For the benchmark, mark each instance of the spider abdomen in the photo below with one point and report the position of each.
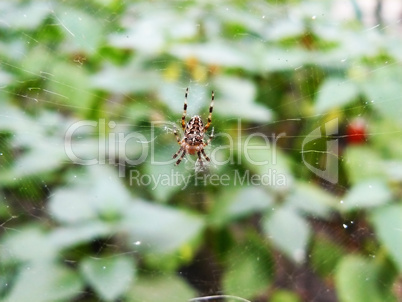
(191, 149)
(194, 135)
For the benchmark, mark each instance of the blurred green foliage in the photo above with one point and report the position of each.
(113, 231)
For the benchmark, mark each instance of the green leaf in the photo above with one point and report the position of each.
(68, 87)
(45, 282)
(366, 194)
(382, 89)
(71, 205)
(83, 33)
(289, 232)
(236, 98)
(362, 162)
(284, 28)
(335, 93)
(386, 145)
(154, 28)
(215, 53)
(98, 193)
(284, 296)
(5, 78)
(250, 200)
(160, 229)
(37, 63)
(109, 277)
(241, 280)
(36, 158)
(72, 235)
(248, 271)
(16, 121)
(164, 180)
(28, 244)
(164, 288)
(280, 59)
(393, 169)
(119, 80)
(262, 157)
(387, 222)
(44, 157)
(235, 204)
(325, 256)
(25, 16)
(311, 200)
(358, 280)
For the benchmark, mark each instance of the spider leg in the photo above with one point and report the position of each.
(211, 107)
(211, 137)
(178, 152)
(183, 118)
(206, 157)
(181, 157)
(200, 159)
(177, 136)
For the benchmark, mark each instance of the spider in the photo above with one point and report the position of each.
(193, 140)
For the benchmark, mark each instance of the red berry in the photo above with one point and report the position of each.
(356, 131)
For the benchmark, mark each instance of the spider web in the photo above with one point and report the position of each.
(123, 101)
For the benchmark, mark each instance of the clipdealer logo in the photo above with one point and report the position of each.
(330, 167)
(112, 148)
(175, 178)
